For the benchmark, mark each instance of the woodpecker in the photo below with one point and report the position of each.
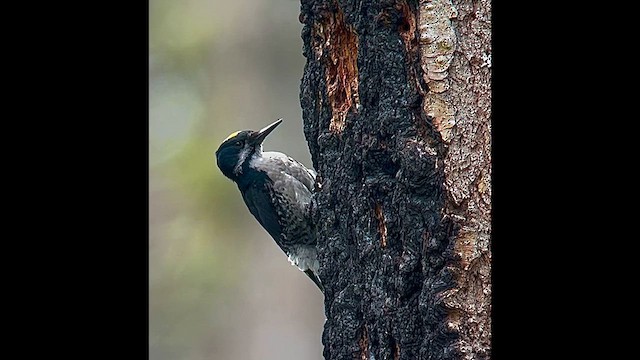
(277, 190)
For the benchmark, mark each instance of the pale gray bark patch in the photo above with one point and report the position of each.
(464, 110)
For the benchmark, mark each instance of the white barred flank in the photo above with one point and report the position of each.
(305, 258)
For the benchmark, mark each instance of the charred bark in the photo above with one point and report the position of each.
(396, 113)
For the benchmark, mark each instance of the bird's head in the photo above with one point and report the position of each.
(239, 147)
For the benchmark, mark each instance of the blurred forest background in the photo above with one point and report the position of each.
(219, 287)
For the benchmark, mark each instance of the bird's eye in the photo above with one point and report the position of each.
(239, 143)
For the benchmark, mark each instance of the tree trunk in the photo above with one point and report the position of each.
(396, 107)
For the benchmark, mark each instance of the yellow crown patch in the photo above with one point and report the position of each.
(231, 135)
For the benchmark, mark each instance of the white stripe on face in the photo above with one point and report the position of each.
(243, 156)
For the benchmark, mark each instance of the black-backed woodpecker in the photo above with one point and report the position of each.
(277, 190)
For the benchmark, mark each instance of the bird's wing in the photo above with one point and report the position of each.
(288, 190)
(259, 203)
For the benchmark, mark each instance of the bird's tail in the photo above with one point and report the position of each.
(315, 279)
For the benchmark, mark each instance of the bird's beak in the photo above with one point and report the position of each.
(262, 134)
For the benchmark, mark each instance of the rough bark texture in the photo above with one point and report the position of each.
(396, 108)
